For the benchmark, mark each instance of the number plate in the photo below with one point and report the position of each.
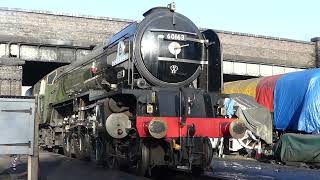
(174, 36)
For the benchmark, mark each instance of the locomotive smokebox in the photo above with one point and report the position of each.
(169, 49)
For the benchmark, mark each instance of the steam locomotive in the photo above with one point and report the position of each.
(147, 98)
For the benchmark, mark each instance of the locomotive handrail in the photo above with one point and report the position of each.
(182, 60)
(166, 30)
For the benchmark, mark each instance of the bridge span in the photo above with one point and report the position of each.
(32, 43)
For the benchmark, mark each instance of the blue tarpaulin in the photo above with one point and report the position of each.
(297, 102)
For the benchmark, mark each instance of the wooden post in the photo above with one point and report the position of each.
(33, 161)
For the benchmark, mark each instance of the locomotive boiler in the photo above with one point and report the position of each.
(146, 98)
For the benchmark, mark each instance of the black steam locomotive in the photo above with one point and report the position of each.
(147, 98)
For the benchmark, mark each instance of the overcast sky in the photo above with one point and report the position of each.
(294, 19)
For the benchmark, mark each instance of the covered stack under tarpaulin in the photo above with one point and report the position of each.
(297, 102)
(247, 87)
(265, 91)
(262, 89)
(256, 117)
(298, 148)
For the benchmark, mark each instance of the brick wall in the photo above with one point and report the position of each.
(267, 50)
(10, 80)
(316, 40)
(40, 25)
(90, 29)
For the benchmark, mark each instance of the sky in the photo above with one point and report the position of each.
(293, 19)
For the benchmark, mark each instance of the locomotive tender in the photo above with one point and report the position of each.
(147, 98)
